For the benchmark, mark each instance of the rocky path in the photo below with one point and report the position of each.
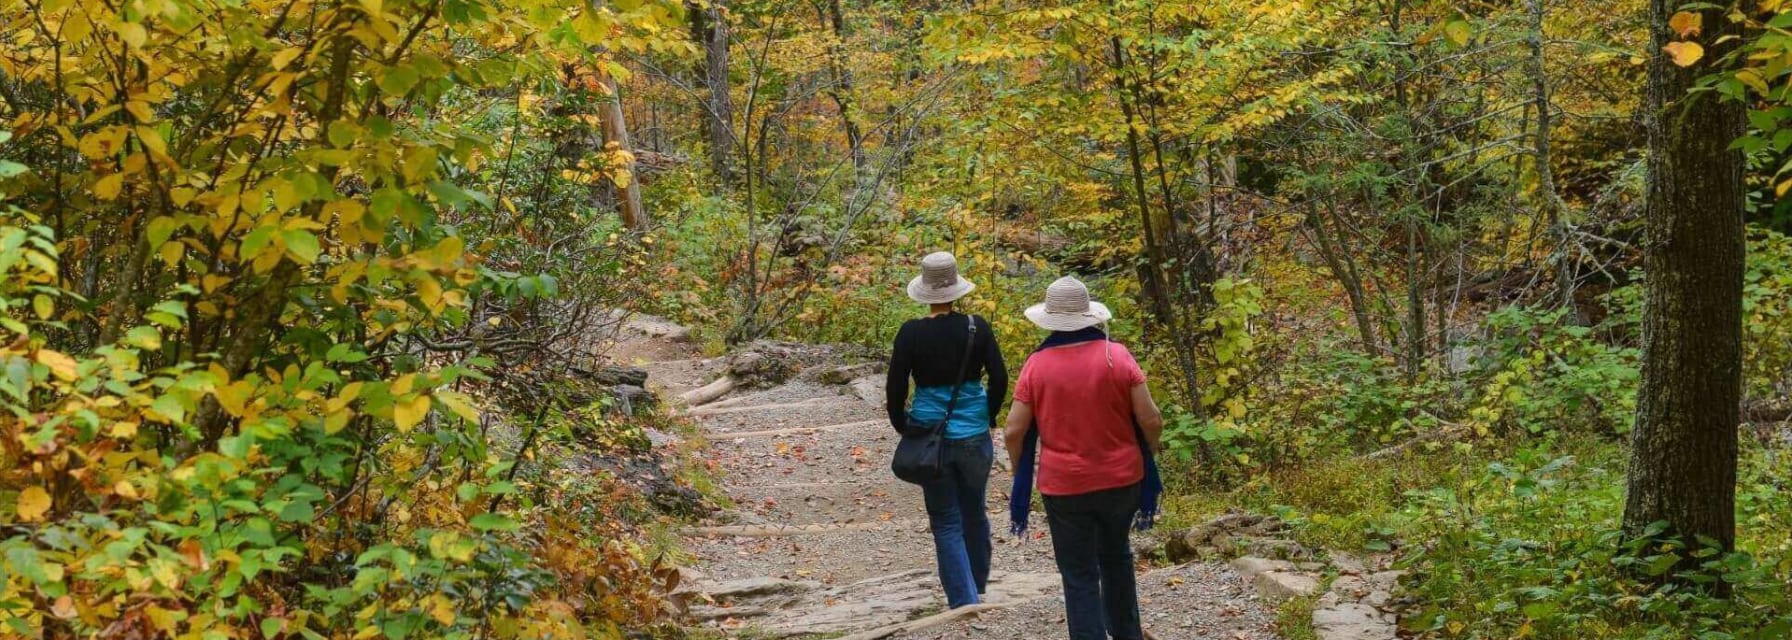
(821, 540)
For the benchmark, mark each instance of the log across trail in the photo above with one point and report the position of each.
(821, 539)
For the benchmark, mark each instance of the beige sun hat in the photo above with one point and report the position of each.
(1067, 307)
(939, 282)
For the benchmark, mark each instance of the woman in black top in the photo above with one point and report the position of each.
(930, 351)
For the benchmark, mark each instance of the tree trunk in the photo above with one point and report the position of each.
(1683, 458)
(1152, 276)
(615, 128)
(841, 92)
(1347, 276)
(1554, 209)
(1415, 301)
(709, 28)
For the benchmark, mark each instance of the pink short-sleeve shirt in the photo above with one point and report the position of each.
(1083, 410)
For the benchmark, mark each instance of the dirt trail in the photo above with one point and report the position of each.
(821, 539)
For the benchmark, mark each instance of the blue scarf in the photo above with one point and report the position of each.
(1020, 500)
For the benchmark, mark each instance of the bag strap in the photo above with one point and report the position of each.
(964, 367)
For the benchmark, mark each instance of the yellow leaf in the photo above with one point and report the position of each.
(124, 430)
(410, 412)
(171, 253)
(285, 57)
(60, 365)
(1780, 189)
(140, 110)
(1684, 54)
(335, 421)
(403, 384)
(34, 502)
(164, 572)
(430, 292)
(442, 610)
(107, 188)
(131, 33)
(1686, 24)
(234, 396)
(162, 619)
(124, 488)
(459, 403)
(1752, 78)
(152, 140)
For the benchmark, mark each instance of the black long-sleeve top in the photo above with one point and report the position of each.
(930, 351)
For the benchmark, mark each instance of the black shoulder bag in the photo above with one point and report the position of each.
(917, 458)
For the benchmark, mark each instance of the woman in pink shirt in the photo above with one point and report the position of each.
(1082, 406)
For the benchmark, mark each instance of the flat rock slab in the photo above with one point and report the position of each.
(1353, 622)
(889, 600)
(1252, 565)
(1282, 586)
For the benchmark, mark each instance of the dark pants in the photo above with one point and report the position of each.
(960, 519)
(1094, 553)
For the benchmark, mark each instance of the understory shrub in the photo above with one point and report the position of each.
(1531, 547)
(1538, 372)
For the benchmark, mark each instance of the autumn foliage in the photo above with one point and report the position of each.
(230, 229)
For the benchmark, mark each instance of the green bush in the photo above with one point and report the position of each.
(1539, 373)
(1531, 547)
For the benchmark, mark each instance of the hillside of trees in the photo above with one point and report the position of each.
(299, 296)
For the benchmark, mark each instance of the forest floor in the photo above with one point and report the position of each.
(817, 539)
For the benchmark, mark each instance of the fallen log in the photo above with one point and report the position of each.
(709, 392)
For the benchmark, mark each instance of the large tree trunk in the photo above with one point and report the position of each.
(709, 27)
(1683, 460)
(628, 192)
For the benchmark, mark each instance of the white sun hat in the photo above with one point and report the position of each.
(1067, 307)
(939, 282)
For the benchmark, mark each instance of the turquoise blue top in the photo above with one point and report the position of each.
(970, 417)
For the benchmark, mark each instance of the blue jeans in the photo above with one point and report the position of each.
(960, 519)
(1094, 553)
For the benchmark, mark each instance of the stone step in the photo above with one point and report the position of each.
(793, 431)
(787, 415)
(777, 607)
(843, 554)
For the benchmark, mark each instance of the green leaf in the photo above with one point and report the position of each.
(344, 133)
(160, 229)
(144, 337)
(398, 80)
(296, 511)
(169, 408)
(301, 245)
(254, 242)
(492, 522)
(1458, 32)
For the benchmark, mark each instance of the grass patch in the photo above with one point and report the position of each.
(1294, 619)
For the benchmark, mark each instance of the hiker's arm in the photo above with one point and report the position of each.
(896, 384)
(998, 375)
(1020, 418)
(1151, 421)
